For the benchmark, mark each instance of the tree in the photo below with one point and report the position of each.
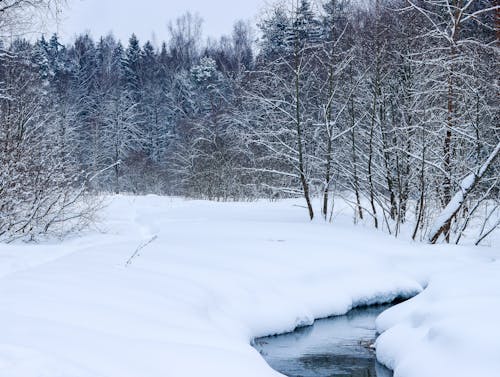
(461, 38)
(43, 191)
(334, 58)
(184, 44)
(121, 132)
(20, 16)
(287, 89)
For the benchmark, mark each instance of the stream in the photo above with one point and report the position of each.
(336, 346)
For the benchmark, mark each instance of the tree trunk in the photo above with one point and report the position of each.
(303, 179)
(443, 221)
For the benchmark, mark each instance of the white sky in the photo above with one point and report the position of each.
(148, 18)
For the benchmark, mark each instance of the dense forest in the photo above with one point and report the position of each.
(391, 105)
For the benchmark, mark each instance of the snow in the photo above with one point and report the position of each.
(451, 329)
(210, 277)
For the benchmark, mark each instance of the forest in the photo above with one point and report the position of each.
(390, 105)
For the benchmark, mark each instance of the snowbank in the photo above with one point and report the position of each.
(216, 276)
(451, 329)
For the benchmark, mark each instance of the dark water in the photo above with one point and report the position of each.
(336, 346)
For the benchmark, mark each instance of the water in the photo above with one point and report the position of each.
(337, 346)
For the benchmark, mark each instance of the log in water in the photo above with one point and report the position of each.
(339, 346)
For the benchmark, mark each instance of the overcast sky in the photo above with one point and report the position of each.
(149, 18)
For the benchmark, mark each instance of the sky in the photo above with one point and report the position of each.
(148, 19)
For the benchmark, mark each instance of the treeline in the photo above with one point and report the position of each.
(392, 105)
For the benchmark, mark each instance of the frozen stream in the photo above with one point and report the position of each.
(336, 346)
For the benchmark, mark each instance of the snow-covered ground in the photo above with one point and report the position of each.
(219, 274)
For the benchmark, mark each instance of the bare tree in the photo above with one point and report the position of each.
(22, 16)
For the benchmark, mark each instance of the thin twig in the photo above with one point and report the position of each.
(139, 248)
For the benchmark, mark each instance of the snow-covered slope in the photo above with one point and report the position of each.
(218, 275)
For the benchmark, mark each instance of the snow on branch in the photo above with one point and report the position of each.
(442, 222)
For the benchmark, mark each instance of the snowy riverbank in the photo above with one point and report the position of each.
(219, 274)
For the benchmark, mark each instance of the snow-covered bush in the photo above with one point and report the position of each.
(42, 190)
